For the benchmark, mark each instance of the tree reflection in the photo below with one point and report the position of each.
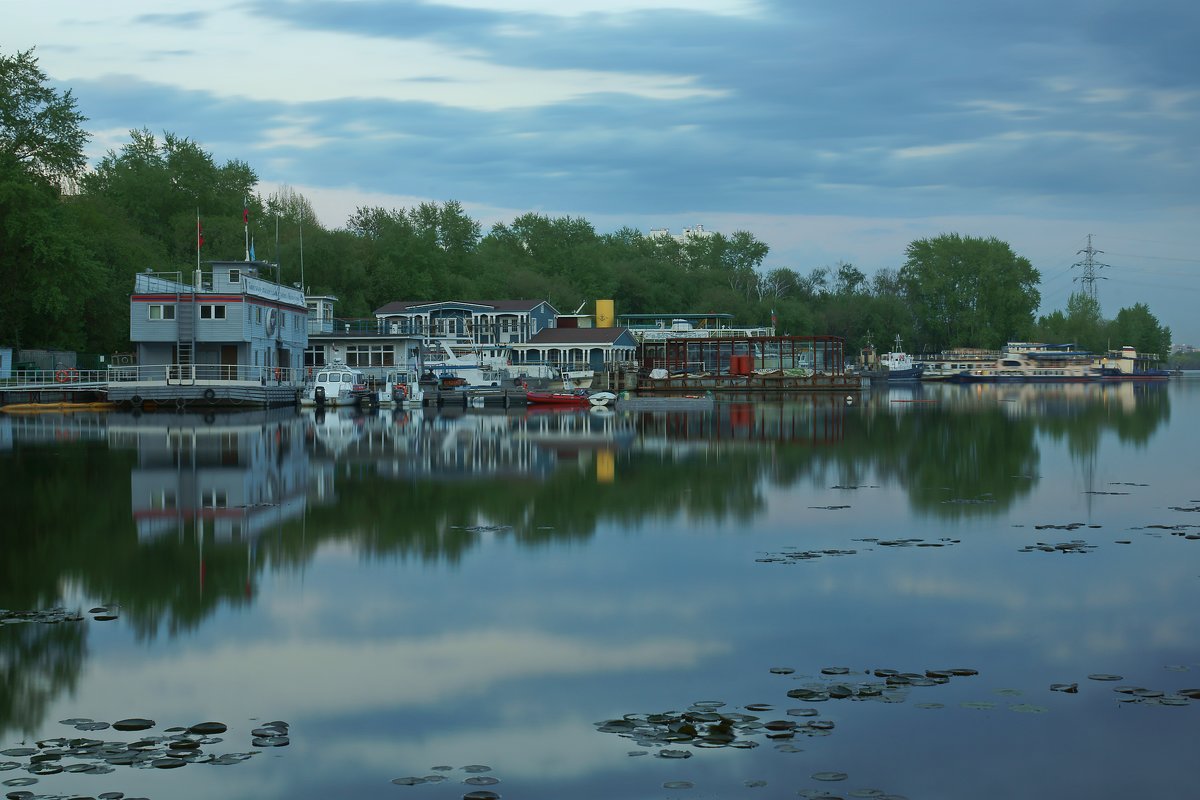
(170, 517)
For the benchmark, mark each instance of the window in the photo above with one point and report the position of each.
(213, 498)
(212, 312)
(370, 355)
(161, 311)
(314, 356)
(235, 276)
(258, 314)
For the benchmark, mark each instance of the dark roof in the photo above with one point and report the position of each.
(408, 306)
(711, 315)
(576, 335)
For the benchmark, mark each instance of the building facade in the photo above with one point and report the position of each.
(228, 324)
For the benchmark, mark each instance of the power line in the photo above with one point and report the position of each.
(1159, 258)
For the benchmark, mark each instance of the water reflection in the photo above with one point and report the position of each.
(171, 517)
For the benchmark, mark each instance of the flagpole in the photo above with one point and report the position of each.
(199, 238)
(246, 224)
(302, 249)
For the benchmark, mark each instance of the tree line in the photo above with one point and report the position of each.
(73, 236)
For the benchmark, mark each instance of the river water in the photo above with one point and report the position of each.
(798, 595)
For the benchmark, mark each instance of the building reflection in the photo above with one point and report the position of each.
(228, 477)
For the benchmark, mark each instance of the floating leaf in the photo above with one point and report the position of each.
(674, 754)
(411, 780)
(829, 776)
(1100, 676)
(133, 724)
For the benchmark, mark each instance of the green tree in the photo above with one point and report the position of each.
(45, 267)
(965, 291)
(40, 129)
(1136, 326)
(161, 186)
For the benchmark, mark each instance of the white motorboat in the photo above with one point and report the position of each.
(337, 385)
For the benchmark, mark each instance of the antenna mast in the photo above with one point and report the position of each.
(1090, 265)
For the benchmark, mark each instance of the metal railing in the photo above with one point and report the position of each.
(176, 374)
(66, 378)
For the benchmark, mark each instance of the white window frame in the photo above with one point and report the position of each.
(209, 311)
(166, 312)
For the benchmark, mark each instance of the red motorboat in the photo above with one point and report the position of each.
(576, 398)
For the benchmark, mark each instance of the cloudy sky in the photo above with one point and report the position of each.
(831, 130)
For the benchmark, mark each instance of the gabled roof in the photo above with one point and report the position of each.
(575, 336)
(417, 306)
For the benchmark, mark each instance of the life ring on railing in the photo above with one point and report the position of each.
(310, 372)
(68, 375)
(209, 394)
(400, 391)
(278, 374)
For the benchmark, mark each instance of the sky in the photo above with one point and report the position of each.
(833, 131)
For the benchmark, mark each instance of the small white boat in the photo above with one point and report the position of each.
(401, 390)
(337, 385)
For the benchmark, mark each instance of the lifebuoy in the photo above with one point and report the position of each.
(209, 394)
(278, 372)
(400, 391)
(310, 372)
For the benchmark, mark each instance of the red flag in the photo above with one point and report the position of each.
(199, 235)
(245, 213)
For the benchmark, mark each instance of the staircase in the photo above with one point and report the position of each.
(185, 338)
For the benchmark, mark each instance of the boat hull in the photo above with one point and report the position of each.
(1022, 378)
(557, 399)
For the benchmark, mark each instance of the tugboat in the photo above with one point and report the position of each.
(894, 367)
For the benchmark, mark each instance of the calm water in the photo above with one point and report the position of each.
(411, 592)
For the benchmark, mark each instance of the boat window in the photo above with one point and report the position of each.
(322, 376)
(346, 378)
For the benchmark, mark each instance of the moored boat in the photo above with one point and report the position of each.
(337, 385)
(578, 397)
(948, 363)
(893, 367)
(1023, 363)
(1127, 364)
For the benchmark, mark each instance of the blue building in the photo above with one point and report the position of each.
(230, 336)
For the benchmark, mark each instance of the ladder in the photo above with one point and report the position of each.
(185, 337)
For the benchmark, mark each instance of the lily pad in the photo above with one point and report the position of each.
(829, 776)
(133, 724)
(674, 754)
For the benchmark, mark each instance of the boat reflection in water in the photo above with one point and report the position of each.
(228, 476)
